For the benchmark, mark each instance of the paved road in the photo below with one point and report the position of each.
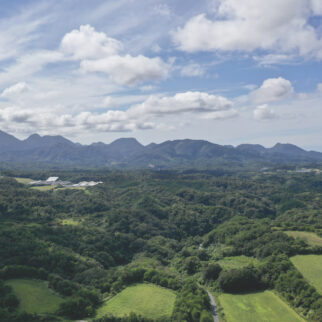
(213, 307)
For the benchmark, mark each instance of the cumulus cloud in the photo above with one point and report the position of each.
(192, 70)
(15, 89)
(128, 70)
(87, 43)
(182, 103)
(143, 116)
(100, 53)
(263, 112)
(249, 25)
(272, 89)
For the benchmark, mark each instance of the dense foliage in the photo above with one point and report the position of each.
(168, 228)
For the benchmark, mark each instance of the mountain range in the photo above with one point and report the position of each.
(129, 153)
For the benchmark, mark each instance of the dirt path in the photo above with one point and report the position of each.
(213, 307)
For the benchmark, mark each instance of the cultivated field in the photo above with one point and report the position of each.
(35, 296)
(257, 307)
(311, 238)
(311, 268)
(146, 299)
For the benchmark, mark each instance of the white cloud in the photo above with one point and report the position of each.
(317, 7)
(182, 103)
(319, 87)
(147, 88)
(87, 43)
(221, 115)
(128, 70)
(249, 25)
(274, 59)
(162, 10)
(193, 70)
(272, 89)
(250, 87)
(15, 89)
(100, 53)
(29, 64)
(263, 112)
(141, 116)
(116, 101)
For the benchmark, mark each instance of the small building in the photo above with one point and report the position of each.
(52, 179)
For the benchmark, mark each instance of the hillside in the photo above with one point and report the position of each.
(95, 253)
(49, 151)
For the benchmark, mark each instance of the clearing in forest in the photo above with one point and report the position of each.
(147, 300)
(311, 238)
(35, 296)
(310, 267)
(257, 307)
(237, 262)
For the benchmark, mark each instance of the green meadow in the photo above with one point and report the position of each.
(35, 296)
(311, 268)
(24, 180)
(146, 299)
(311, 238)
(257, 307)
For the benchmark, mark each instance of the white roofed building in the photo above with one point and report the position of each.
(52, 179)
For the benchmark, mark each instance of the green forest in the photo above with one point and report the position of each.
(176, 234)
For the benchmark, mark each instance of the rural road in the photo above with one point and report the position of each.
(213, 307)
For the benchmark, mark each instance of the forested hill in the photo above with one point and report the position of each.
(129, 153)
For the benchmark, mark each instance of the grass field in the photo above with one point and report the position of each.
(24, 180)
(311, 238)
(35, 296)
(311, 268)
(146, 299)
(257, 307)
(43, 188)
(237, 262)
(69, 222)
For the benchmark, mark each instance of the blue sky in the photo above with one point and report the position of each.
(227, 71)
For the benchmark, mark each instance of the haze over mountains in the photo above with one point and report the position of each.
(129, 153)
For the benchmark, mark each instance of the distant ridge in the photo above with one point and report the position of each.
(129, 153)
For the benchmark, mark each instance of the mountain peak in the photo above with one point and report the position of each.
(286, 148)
(125, 141)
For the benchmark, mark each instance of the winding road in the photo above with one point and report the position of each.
(213, 307)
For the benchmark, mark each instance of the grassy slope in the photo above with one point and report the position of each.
(257, 307)
(310, 266)
(311, 238)
(237, 262)
(35, 296)
(146, 299)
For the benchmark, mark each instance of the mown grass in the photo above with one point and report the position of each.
(35, 296)
(237, 262)
(311, 268)
(311, 238)
(146, 299)
(257, 307)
